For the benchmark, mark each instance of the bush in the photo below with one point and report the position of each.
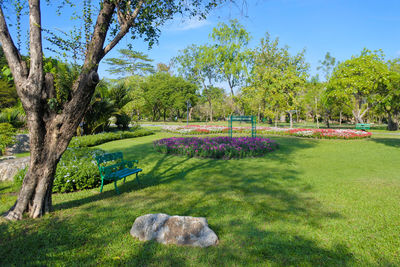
(7, 136)
(97, 139)
(122, 121)
(14, 116)
(77, 170)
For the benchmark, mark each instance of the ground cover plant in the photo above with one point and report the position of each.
(310, 203)
(221, 147)
(261, 130)
(7, 136)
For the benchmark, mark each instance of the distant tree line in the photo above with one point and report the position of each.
(267, 81)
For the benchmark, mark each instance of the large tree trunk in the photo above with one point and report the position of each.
(50, 130)
(50, 135)
(393, 123)
(358, 113)
(291, 119)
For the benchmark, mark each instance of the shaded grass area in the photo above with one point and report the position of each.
(310, 203)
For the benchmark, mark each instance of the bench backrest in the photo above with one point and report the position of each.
(363, 126)
(117, 156)
(109, 163)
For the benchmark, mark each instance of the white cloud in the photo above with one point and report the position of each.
(190, 24)
(398, 53)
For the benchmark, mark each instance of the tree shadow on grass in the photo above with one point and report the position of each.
(243, 204)
(159, 174)
(393, 142)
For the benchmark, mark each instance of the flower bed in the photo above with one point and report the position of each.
(311, 133)
(221, 147)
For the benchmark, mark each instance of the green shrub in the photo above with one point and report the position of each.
(7, 136)
(122, 121)
(19, 177)
(97, 139)
(14, 116)
(77, 170)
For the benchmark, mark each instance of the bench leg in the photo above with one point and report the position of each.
(101, 188)
(116, 187)
(137, 178)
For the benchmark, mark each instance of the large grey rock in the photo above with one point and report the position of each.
(10, 167)
(21, 145)
(179, 230)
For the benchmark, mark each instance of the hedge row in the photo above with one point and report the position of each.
(101, 138)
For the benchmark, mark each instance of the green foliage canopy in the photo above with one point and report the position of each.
(356, 81)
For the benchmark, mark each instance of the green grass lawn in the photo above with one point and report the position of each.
(310, 203)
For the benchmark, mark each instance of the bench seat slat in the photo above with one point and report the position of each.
(123, 173)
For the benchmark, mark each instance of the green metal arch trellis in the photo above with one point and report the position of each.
(243, 118)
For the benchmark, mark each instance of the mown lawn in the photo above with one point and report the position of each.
(310, 203)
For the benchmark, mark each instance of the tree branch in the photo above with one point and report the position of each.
(128, 22)
(95, 48)
(365, 111)
(14, 59)
(85, 84)
(35, 36)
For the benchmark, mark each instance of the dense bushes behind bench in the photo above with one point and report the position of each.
(98, 139)
(77, 170)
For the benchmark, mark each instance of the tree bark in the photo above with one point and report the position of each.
(211, 110)
(190, 113)
(393, 123)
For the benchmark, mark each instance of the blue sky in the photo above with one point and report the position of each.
(342, 27)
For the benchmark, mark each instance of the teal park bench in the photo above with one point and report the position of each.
(363, 126)
(113, 167)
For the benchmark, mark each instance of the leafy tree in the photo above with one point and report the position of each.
(136, 104)
(387, 99)
(313, 97)
(52, 129)
(355, 82)
(230, 53)
(101, 109)
(327, 65)
(197, 64)
(213, 95)
(277, 78)
(130, 63)
(165, 94)
(161, 67)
